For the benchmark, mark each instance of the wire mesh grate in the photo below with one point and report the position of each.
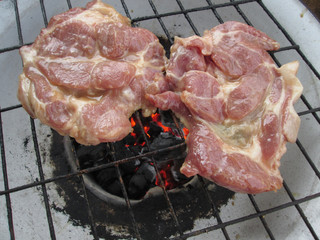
(309, 110)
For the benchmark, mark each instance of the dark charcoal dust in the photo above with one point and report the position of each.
(26, 141)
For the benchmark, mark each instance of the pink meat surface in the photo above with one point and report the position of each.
(88, 71)
(236, 103)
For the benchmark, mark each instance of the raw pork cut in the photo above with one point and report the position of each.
(237, 105)
(88, 71)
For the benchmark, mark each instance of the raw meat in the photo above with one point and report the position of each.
(88, 71)
(237, 105)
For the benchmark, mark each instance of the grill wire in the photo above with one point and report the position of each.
(42, 181)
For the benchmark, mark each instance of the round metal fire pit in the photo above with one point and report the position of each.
(104, 195)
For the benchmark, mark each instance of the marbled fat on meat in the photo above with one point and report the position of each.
(236, 103)
(88, 71)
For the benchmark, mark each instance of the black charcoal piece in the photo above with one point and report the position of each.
(148, 171)
(175, 170)
(138, 186)
(166, 119)
(141, 181)
(130, 167)
(121, 151)
(154, 130)
(115, 188)
(106, 176)
(129, 140)
(136, 149)
(89, 156)
(165, 140)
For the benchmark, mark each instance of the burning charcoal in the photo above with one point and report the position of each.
(155, 129)
(140, 139)
(145, 149)
(165, 140)
(171, 176)
(136, 149)
(129, 167)
(166, 119)
(145, 120)
(121, 151)
(129, 140)
(141, 181)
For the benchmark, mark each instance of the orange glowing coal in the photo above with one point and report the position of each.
(166, 175)
(133, 123)
(156, 117)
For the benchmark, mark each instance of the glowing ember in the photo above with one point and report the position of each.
(156, 118)
(133, 123)
(186, 132)
(166, 175)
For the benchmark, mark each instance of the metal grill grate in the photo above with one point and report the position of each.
(185, 12)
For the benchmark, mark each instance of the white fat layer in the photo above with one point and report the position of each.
(80, 103)
(228, 87)
(217, 36)
(128, 94)
(28, 54)
(238, 138)
(253, 151)
(141, 64)
(91, 17)
(288, 72)
(97, 58)
(25, 83)
(275, 107)
(292, 123)
(101, 12)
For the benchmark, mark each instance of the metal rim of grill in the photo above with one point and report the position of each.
(42, 182)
